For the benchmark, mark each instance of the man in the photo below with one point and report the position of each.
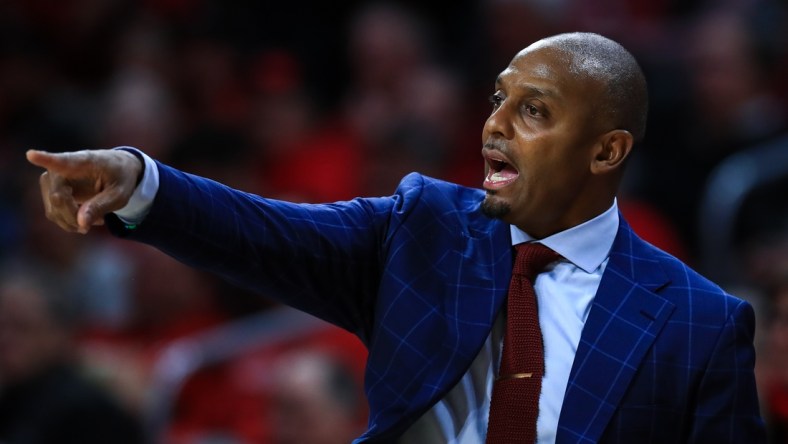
(315, 400)
(43, 396)
(637, 347)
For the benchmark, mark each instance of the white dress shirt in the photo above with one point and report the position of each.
(564, 294)
(142, 199)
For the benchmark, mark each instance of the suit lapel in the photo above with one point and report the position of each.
(471, 303)
(625, 319)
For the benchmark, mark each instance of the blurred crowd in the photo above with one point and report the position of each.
(323, 101)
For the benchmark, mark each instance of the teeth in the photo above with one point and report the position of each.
(497, 177)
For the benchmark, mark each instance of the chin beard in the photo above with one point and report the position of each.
(494, 209)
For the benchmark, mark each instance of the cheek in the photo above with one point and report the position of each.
(553, 158)
(554, 179)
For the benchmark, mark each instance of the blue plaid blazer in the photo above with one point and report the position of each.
(665, 356)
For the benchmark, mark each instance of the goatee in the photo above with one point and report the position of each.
(493, 208)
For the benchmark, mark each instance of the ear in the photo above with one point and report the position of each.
(611, 150)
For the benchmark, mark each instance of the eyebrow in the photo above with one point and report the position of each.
(532, 90)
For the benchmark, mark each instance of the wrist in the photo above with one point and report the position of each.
(139, 165)
(141, 200)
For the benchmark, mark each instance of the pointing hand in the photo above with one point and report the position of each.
(79, 188)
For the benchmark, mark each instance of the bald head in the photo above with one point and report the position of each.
(565, 115)
(624, 101)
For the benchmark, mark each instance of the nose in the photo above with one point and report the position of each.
(499, 124)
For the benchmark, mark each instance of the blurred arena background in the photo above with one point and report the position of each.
(321, 101)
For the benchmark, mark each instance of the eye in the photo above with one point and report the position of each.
(496, 100)
(532, 110)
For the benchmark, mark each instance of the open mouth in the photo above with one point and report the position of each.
(500, 172)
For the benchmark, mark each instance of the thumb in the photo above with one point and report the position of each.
(62, 163)
(92, 211)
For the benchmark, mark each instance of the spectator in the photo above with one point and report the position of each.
(316, 400)
(44, 399)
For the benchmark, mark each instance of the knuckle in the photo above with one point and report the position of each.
(56, 198)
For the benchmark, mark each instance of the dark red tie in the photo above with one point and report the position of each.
(514, 405)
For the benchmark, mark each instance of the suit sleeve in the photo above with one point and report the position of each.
(323, 259)
(726, 409)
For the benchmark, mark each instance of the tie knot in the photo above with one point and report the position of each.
(532, 258)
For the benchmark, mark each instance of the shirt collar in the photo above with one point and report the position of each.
(586, 245)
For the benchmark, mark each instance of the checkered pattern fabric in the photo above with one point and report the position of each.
(420, 276)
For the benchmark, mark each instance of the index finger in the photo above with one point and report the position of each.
(61, 163)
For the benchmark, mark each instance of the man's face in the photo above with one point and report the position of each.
(30, 340)
(537, 143)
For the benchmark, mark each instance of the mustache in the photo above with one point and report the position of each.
(496, 145)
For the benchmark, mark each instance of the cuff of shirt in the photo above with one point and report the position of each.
(141, 201)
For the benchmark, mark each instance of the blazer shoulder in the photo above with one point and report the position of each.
(415, 187)
(686, 286)
(428, 201)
